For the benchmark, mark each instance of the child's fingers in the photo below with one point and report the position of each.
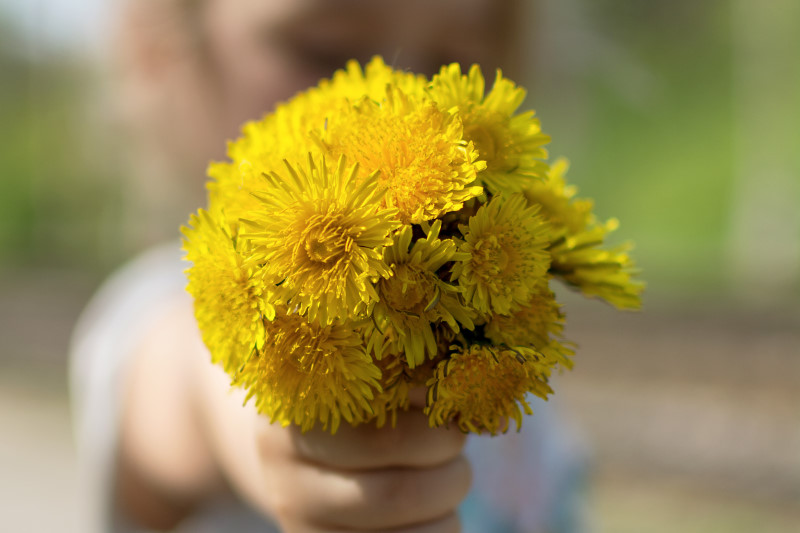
(375, 500)
(447, 524)
(410, 443)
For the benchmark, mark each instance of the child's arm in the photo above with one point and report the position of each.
(185, 435)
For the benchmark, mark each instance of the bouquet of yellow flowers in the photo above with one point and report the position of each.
(383, 231)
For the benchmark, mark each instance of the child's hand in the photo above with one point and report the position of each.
(186, 434)
(408, 478)
(411, 477)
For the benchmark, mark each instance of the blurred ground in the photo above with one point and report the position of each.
(37, 487)
(692, 416)
(37, 460)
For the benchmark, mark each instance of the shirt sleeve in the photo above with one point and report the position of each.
(106, 335)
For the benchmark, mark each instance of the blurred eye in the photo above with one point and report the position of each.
(314, 57)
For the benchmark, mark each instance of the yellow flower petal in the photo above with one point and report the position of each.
(423, 162)
(231, 297)
(322, 235)
(511, 143)
(507, 243)
(414, 300)
(309, 373)
(577, 256)
(482, 388)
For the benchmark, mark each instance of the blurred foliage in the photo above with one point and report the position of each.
(57, 204)
(655, 145)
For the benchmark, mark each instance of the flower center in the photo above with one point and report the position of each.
(406, 290)
(321, 251)
(490, 257)
(326, 245)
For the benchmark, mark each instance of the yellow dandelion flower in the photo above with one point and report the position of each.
(482, 387)
(608, 274)
(279, 134)
(414, 298)
(309, 373)
(328, 291)
(231, 298)
(538, 324)
(557, 201)
(425, 165)
(507, 243)
(230, 190)
(290, 132)
(511, 143)
(353, 82)
(322, 235)
(294, 129)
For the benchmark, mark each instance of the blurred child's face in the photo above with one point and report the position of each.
(263, 51)
(206, 67)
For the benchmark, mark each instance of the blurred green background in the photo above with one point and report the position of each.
(680, 118)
